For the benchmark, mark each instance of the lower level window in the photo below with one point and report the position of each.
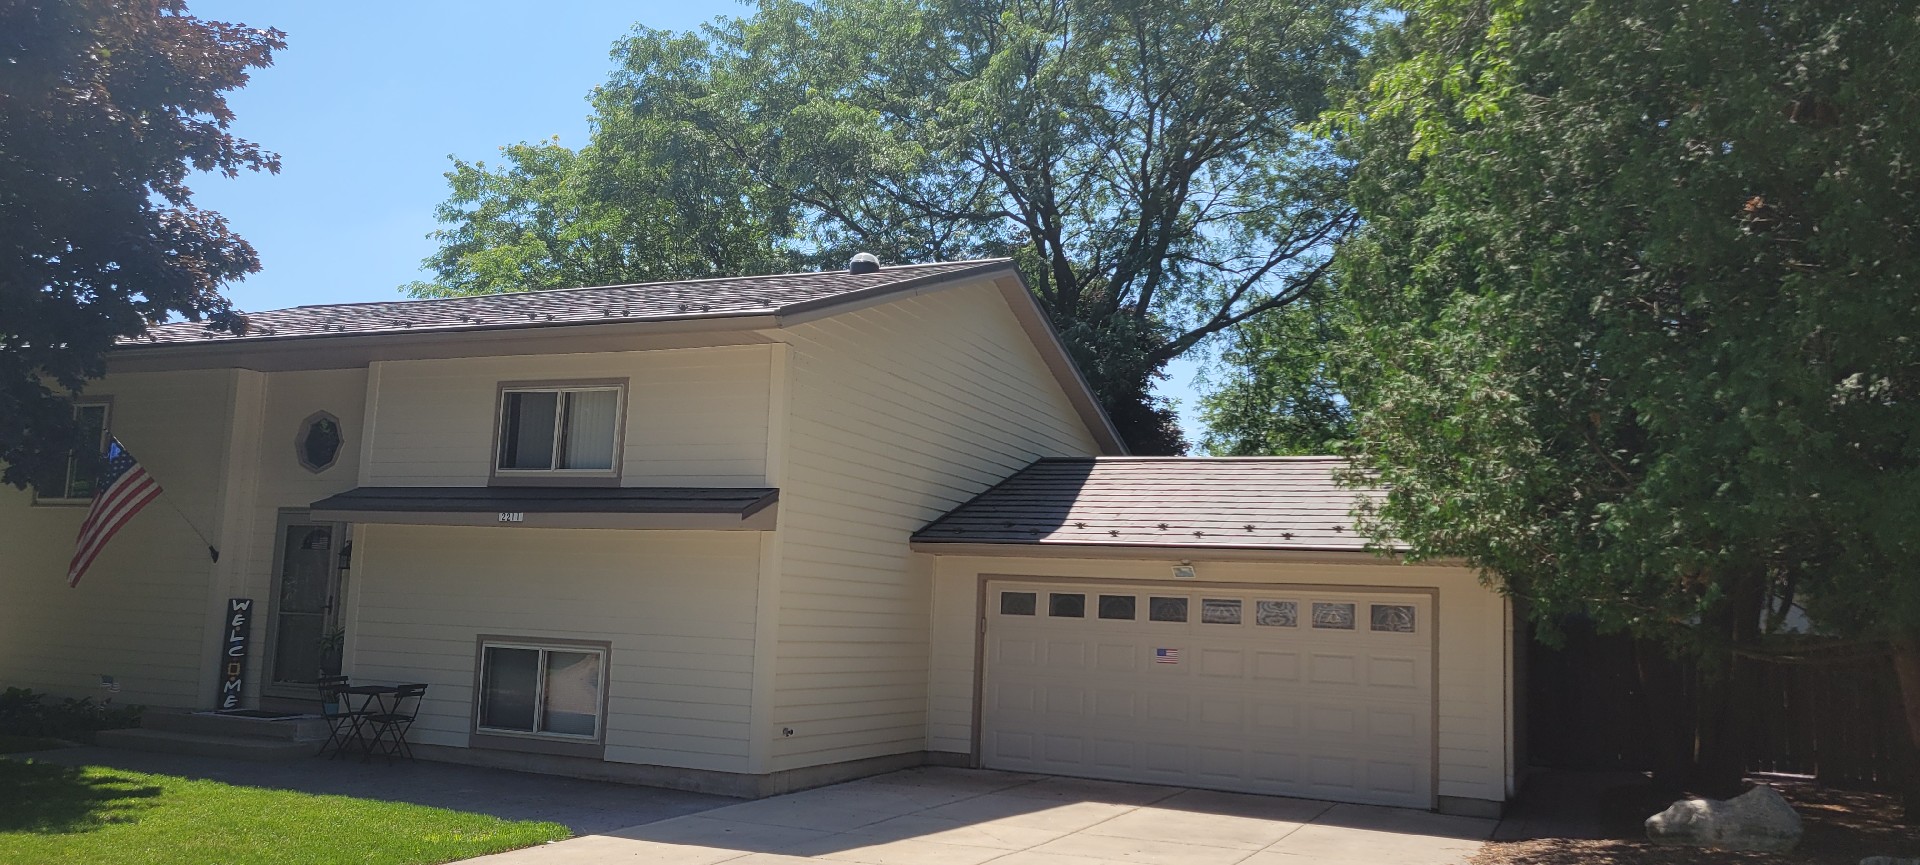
(551, 690)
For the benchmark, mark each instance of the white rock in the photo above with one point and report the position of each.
(1755, 820)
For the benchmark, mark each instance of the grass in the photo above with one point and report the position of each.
(92, 814)
(23, 744)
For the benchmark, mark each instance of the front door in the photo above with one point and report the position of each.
(306, 626)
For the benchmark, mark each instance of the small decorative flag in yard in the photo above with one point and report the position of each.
(1166, 656)
(124, 488)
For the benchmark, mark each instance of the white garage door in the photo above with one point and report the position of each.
(1261, 689)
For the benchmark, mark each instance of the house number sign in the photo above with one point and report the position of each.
(233, 654)
(512, 517)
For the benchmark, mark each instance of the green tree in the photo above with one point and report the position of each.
(1143, 161)
(1274, 386)
(652, 197)
(1635, 317)
(105, 108)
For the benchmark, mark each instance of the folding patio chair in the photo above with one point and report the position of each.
(343, 721)
(390, 727)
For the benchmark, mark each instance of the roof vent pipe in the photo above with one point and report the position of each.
(865, 262)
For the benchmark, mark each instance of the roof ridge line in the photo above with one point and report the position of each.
(704, 279)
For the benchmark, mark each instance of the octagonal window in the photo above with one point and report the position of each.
(319, 443)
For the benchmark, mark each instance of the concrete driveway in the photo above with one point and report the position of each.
(937, 816)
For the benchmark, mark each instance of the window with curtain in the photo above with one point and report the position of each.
(561, 429)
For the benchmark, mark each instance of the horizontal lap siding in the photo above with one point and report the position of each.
(678, 608)
(1472, 674)
(899, 412)
(141, 614)
(282, 483)
(695, 417)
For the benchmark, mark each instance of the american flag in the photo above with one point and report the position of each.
(1166, 656)
(124, 488)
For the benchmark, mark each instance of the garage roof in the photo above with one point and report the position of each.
(1275, 503)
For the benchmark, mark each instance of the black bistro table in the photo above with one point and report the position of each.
(372, 701)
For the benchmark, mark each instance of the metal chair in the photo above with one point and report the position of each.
(390, 727)
(343, 721)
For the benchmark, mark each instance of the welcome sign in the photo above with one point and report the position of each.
(233, 655)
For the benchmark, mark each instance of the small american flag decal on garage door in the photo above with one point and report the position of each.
(1166, 656)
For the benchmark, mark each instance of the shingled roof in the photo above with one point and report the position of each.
(653, 301)
(1278, 503)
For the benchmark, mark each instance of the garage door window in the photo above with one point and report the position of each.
(1334, 617)
(1067, 605)
(1017, 603)
(1276, 614)
(1167, 609)
(1220, 611)
(1117, 607)
(1393, 618)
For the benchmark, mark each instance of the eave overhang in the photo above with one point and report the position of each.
(706, 508)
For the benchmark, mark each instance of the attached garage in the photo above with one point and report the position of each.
(1213, 623)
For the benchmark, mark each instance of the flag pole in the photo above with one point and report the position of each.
(213, 552)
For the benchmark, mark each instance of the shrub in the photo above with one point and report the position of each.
(27, 713)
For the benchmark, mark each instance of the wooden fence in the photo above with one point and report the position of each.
(1839, 720)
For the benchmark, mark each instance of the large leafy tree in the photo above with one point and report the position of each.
(105, 110)
(1275, 390)
(1143, 161)
(1635, 320)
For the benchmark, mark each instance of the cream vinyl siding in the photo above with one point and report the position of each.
(898, 412)
(678, 608)
(694, 417)
(280, 482)
(1473, 679)
(143, 613)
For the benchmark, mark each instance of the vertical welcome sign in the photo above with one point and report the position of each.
(233, 654)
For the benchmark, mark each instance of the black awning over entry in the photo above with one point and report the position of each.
(749, 508)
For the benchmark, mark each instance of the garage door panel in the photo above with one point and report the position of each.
(1266, 689)
(1276, 666)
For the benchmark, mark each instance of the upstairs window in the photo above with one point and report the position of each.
(76, 482)
(571, 429)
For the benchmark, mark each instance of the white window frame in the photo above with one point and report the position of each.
(500, 474)
(66, 476)
(540, 688)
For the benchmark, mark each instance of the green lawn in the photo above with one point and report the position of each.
(51, 813)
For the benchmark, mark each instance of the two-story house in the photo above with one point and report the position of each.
(750, 535)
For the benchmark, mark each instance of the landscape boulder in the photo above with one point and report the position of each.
(1758, 819)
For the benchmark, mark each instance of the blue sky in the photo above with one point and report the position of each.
(367, 103)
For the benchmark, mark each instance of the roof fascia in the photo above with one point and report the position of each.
(348, 351)
(1172, 552)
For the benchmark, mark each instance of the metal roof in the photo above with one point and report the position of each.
(777, 294)
(1277, 503)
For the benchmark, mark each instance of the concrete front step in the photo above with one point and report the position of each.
(235, 747)
(310, 728)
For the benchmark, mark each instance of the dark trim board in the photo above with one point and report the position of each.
(722, 508)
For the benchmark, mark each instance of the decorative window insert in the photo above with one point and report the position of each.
(1167, 609)
(1329, 616)
(1393, 618)
(320, 442)
(74, 482)
(548, 690)
(1219, 611)
(1119, 607)
(1276, 614)
(1067, 605)
(1017, 603)
(559, 430)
